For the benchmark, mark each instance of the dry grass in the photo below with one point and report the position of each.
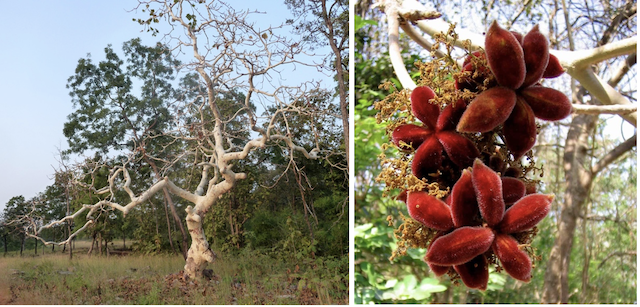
(246, 279)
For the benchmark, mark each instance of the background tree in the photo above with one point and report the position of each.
(110, 116)
(14, 222)
(322, 22)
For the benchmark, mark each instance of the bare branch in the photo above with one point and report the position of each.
(390, 8)
(623, 69)
(603, 91)
(616, 254)
(416, 37)
(580, 59)
(614, 154)
(609, 109)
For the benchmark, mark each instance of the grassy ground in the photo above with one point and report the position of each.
(249, 278)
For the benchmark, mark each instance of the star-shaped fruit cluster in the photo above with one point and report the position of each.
(483, 113)
(518, 63)
(476, 223)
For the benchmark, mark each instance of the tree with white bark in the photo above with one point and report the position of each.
(232, 61)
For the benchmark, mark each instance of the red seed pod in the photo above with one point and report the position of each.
(422, 108)
(478, 70)
(464, 207)
(526, 213)
(512, 189)
(402, 196)
(428, 158)
(513, 260)
(410, 134)
(531, 188)
(554, 69)
(450, 116)
(474, 54)
(512, 172)
(536, 56)
(488, 187)
(505, 56)
(518, 36)
(429, 211)
(496, 163)
(460, 150)
(488, 110)
(520, 129)
(547, 103)
(438, 270)
(460, 246)
(474, 274)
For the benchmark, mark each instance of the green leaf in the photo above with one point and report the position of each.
(359, 22)
(431, 287)
(407, 285)
(360, 230)
(391, 283)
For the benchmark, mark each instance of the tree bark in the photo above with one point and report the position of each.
(99, 241)
(22, 244)
(199, 255)
(586, 251)
(578, 183)
(166, 215)
(172, 207)
(342, 85)
(93, 242)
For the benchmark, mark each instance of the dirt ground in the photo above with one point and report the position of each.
(6, 297)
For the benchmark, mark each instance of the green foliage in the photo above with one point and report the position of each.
(332, 235)
(108, 111)
(266, 228)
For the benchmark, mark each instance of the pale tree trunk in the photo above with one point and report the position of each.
(199, 255)
(579, 173)
(579, 180)
(578, 185)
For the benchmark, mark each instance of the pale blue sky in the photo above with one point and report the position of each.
(41, 45)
